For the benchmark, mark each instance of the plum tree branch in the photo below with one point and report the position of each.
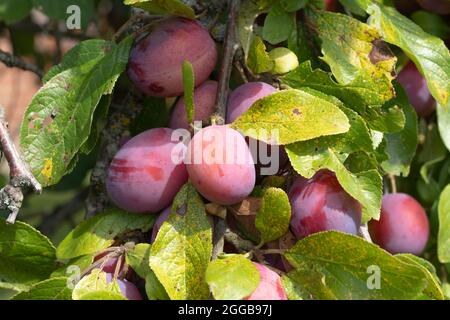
(21, 178)
(12, 61)
(231, 45)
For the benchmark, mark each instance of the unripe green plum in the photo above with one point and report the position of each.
(204, 101)
(403, 226)
(155, 64)
(284, 60)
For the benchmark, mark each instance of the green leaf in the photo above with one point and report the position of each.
(401, 146)
(278, 25)
(99, 232)
(232, 277)
(444, 124)
(258, 59)
(334, 265)
(13, 11)
(274, 215)
(189, 85)
(139, 259)
(428, 52)
(102, 295)
(154, 289)
(390, 118)
(248, 13)
(354, 52)
(87, 53)
(98, 123)
(354, 95)
(431, 23)
(173, 7)
(183, 248)
(304, 284)
(294, 115)
(58, 9)
(95, 283)
(293, 5)
(26, 256)
(444, 226)
(51, 289)
(58, 121)
(433, 290)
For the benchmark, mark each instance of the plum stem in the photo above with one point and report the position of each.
(393, 183)
(21, 178)
(231, 45)
(12, 61)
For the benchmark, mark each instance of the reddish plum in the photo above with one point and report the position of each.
(322, 204)
(145, 176)
(403, 226)
(416, 89)
(269, 287)
(220, 165)
(204, 101)
(331, 5)
(243, 97)
(155, 64)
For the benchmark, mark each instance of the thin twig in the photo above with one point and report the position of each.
(21, 178)
(230, 47)
(219, 237)
(240, 244)
(12, 61)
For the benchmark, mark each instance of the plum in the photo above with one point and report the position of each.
(331, 5)
(243, 97)
(155, 63)
(403, 226)
(441, 7)
(321, 204)
(127, 288)
(269, 287)
(204, 101)
(220, 165)
(406, 6)
(416, 88)
(144, 175)
(108, 266)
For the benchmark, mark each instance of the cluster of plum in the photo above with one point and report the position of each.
(144, 176)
